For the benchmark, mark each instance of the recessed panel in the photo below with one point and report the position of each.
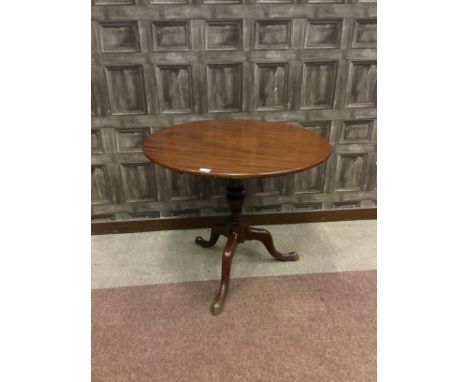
(265, 186)
(356, 131)
(321, 127)
(93, 102)
(273, 34)
(309, 181)
(171, 35)
(119, 37)
(131, 140)
(222, 1)
(114, 2)
(350, 172)
(274, 1)
(271, 86)
(318, 85)
(362, 84)
(223, 35)
(138, 181)
(96, 141)
(100, 190)
(365, 33)
(312, 180)
(175, 89)
(224, 87)
(323, 34)
(182, 186)
(126, 89)
(169, 1)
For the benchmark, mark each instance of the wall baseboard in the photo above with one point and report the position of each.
(254, 219)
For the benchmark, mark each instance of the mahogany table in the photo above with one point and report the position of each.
(236, 149)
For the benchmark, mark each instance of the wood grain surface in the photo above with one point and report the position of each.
(237, 149)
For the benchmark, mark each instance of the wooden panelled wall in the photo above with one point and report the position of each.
(160, 62)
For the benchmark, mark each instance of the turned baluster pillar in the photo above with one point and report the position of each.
(235, 196)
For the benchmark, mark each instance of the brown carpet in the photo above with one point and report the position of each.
(317, 327)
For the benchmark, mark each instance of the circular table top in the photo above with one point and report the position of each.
(236, 148)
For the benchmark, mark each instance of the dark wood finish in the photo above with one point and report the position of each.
(264, 236)
(228, 254)
(237, 232)
(236, 148)
(216, 232)
(166, 224)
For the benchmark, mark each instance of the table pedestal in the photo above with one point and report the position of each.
(237, 231)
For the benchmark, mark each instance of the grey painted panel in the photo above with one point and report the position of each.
(175, 89)
(223, 35)
(169, 2)
(126, 89)
(319, 81)
(171, 35)
(273, 34)
(359, 131)
(131, 140)
(265, 186)
(322, 33)
(224, 87)
(169, 61)
(271, 86)
(362, 84)
(222, 1)
(350, 172)
(138, 181)
(313, 180)
(182, 186)
(119, 37)
(96, 141)
(100, 189)
(274, 1)
(365, 33)
(114, 2)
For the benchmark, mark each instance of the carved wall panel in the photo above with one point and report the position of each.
(100, 189)
(271, 86)
(138, 181)
(171, 36)
(273, 34)
(362, 84)
(223, 35)
(365, 33)
(156, 63)
(319, 81)
(350, 172)
(175, 89)
(120, 37)
(131, 139)
(126, 89)
(323, 33)
(224, 87)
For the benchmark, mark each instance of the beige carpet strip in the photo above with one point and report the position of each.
(312, 327)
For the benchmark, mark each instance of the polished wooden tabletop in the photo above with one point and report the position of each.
(237, 149)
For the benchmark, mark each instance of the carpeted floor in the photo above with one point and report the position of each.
(311, 327)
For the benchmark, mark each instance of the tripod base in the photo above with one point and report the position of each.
(237, 231)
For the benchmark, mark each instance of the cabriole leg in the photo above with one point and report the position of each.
(264, 236)
(228, 254)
